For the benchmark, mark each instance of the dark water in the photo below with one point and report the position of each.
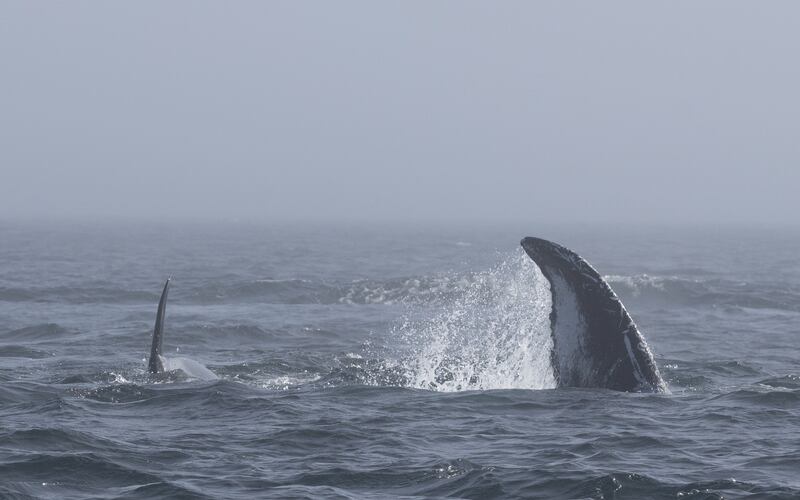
(359, 362)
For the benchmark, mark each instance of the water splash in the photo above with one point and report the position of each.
(495, 334)
(190, 367)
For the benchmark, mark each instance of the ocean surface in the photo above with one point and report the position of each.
(358, 361)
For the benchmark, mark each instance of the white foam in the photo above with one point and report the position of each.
(494, 334)
(639, 283)
(188, 366)
(286, 382)
(119, 379)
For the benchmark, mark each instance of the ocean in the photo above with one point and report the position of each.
(388, 361)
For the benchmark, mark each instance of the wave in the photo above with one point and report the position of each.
(414, 290)
(760, 398)
(76, 295)
(434, 289)
(632, 485)
(689, 292)
(19, 351)
(54, 439)
(463, 478)
(75, 473)
(715, 375)
(35, 333)
(785, 382)
(29, 393)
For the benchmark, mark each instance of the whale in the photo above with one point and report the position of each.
(596, 343)
(157, 362)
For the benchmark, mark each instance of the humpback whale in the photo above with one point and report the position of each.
(595, 341)
(158, 363)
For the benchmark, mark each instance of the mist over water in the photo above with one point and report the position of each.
(359, 111)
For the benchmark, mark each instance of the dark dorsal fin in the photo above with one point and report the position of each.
(155, 365)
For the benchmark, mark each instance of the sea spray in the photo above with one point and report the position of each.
(493, 334)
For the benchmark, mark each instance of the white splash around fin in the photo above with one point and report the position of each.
(188, 366)
(494, 334)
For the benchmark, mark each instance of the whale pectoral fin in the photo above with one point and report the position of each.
(595, 341)
(155, 365)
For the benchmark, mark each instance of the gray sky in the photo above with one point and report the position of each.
(420, 111)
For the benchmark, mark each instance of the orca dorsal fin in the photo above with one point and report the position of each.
(155, 365)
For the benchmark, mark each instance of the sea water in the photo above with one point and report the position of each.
(374, 361)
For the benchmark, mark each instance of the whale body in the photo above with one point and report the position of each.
(595, 341)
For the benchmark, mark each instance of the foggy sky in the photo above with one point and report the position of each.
(418, 111)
